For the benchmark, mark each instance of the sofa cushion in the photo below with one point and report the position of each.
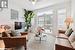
(73, 44)
(68, 32)
(72, 37)
(62, 36)
(63, 42)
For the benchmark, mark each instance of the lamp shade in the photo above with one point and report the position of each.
(69, 20)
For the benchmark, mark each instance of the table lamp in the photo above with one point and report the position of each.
(68, 21)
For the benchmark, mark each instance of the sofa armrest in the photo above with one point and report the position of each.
(61, 31)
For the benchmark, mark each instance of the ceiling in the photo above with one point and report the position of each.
(40, 3)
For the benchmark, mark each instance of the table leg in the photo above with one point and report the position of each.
(40, 38)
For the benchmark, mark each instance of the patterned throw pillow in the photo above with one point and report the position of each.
(69, 32)
(4, 34)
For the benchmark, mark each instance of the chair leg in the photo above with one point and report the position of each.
(25, 47)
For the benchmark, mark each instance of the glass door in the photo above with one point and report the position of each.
(45, 21)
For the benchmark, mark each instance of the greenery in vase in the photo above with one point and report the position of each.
(28, 15)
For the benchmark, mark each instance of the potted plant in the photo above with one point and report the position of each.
(28, 15)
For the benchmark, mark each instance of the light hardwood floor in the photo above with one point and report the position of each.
(47, 43)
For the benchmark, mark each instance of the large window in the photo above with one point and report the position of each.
(61, 17)
(41, 20)
(45, 21)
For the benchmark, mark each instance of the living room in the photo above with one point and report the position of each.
(48, 19)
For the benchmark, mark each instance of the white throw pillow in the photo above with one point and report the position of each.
(15, 33)
(72, 37)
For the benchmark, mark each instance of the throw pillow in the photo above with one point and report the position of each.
(4, 34)
(69, 32)
(72, 37)
(15, 33)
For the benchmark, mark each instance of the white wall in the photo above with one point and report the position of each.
(73, 12)
(5, 14)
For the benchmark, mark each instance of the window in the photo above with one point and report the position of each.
(61, 17)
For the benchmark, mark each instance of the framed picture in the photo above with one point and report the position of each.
(14, 14)
(3, 3)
